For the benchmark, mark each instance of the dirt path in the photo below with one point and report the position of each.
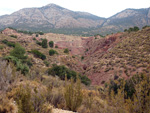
(61, 111)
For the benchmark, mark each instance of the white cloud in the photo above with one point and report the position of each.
(103, 8)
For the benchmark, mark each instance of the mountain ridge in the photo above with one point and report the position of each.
(54, 18)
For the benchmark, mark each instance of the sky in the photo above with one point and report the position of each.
(102, 8)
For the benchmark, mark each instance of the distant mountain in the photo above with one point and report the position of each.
(127, 18)
(53, 18)
(50, 17)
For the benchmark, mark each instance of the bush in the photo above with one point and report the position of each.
(44, 43)
(66, 50)
(7, 106)
(73, 95)
(23, 99)
(34, 38)
(82, 57)
(10, 44)
(52, 52)
(38, 54)
(5, 41)
(23, 68)
(61, 71)
(19, 65)
(51, 44)
(18, 52)
(14, 36)
(85, 80)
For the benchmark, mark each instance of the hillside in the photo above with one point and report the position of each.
(51, 79)
(118, 55)
(56, 19)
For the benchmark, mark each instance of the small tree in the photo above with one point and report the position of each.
(66, 50)
(44, 43)
(51, 44)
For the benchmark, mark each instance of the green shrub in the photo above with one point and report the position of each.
(10, 44)
(44, 43)
(56, 46)
(61, 71)
(82, 57)
(51, 44)
(66, 50)
(52, 52)
(38, 54)
(5, 41)
(18, 52)
(19, 65)
(12, 58)
(23, 68)
(14, 36)
(34, 38)
(85, 80)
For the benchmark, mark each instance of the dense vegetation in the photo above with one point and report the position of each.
(38, 54)
(18, 57)
(135, 28)
(62, 71)
(27, 32)
(10, 44)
